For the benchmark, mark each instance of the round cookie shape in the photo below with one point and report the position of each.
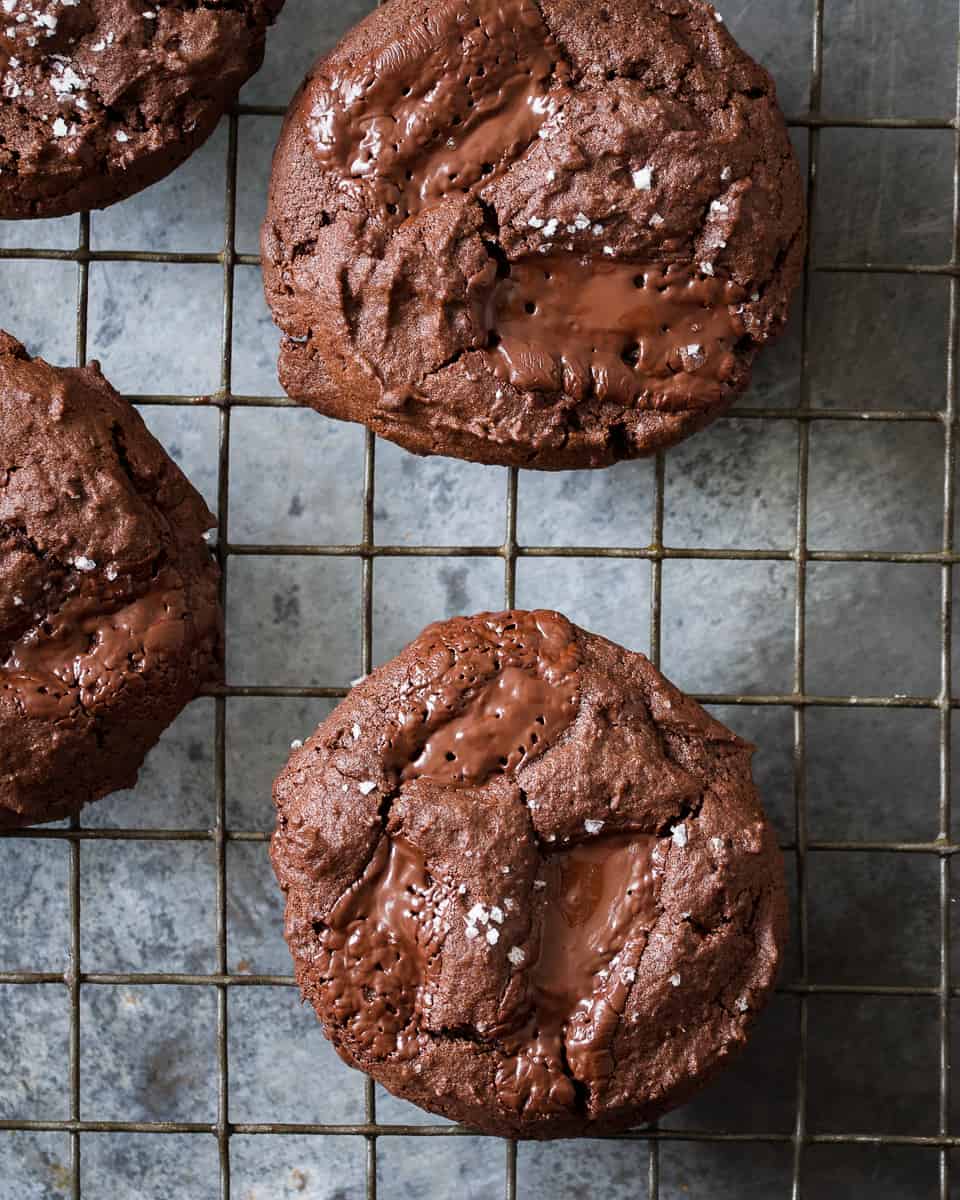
(529, 885)
(100, 98)
(541, 233)
(109, 612)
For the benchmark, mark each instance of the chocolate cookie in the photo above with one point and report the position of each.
(109, 614)
(529, 884)
(548, 233)
(99, 98)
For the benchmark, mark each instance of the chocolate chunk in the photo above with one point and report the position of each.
(548, 234)
(529, 884)
(109, 613)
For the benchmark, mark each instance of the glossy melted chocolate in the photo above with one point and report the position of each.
(81, 653)
(443, 108)
(599, 903)
(378, 944)
(492, 705)
(613, 329)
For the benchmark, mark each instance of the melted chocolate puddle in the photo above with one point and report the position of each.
(581, 325)
(492, 705)
(443, 108)
(597, 903)
(379, 940)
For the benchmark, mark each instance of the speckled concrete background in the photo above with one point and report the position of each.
(877, 341)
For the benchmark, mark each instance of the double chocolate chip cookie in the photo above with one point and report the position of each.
(99, 98)
(529, 884)
(545, 233)
(109, 612)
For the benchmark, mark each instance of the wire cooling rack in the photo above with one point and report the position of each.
(798, 700)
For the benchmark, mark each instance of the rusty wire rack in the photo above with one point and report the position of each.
(798, 700)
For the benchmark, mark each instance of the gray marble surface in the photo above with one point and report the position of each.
(877, 341)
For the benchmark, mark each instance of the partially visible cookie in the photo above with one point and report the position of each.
(529, 885)
(544, 233)
(99, 98)
(109, 612)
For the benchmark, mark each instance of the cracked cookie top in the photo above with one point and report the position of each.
(99, 98)
(529, 884)
(109, 612)
(535, 232)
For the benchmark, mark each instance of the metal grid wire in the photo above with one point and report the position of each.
(798, 700)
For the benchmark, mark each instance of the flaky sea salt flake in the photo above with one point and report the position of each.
(59, 128)
(366, 787)
(592, 826)
(516, 956)
(82, 563)
(675, 980)
(680, 835)
(66, 80)
(493, 936)
(642, 179)
(121, 136)
(707, 268)
(296, 744)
